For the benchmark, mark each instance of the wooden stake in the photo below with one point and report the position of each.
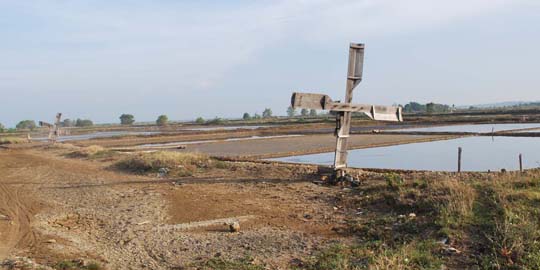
(459, 160)
(520, 163)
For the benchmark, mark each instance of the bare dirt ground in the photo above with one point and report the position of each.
(57, 208)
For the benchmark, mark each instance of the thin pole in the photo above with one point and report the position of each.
(459, 160)
(520, 163)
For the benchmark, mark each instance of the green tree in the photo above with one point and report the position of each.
(291, 112)
(2, 128)
(200, 120)
(267, 113)
(67, 123)
(127, 119)
(430, 107)
(304, 112)
(83, 123)
(162, 120)
(313, 112)
(257, 116)
(26, 124)
(246, 116)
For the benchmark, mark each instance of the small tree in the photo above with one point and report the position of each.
(200, 120)
(127, 119)
(83, 123)
(246, 116)
(162, 120)
(291, 112)
(304, 112)
(257, 116)
(67, 123)
(313, 112)
(267, 113)
(2, 128)
(26, 124)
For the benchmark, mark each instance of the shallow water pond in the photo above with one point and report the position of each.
(481, 128)
(479, 154)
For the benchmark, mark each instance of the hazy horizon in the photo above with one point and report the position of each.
(100, 59)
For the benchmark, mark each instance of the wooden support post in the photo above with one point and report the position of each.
(520, 163)
(459, 160)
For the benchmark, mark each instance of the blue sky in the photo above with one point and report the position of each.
(98, 59)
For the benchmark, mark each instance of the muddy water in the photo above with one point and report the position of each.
(481, 128)
(479, 154)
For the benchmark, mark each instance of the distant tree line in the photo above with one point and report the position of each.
(415, 107)
(291, 112)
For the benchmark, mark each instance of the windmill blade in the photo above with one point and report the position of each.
(310, 101)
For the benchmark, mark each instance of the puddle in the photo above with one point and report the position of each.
(479, 154)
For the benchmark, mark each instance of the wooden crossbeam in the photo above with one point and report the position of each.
(324, 102)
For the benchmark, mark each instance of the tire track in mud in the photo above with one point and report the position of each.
(15, 230)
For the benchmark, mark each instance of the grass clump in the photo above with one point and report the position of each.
(76, 265)
(246, 263)
(92, 151)
(416, 255)
(12, 140)
(180, 164)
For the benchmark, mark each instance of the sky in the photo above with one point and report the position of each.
(98, 59)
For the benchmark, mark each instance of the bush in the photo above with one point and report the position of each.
(127, 119)
(27, 124)
(162, 120)
(2, 128)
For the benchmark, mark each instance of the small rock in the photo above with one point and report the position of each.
(4, 217)
(412, 215)
(401, 217)
(234, 227)
(335, 208)
(451, 250)
(51, 241)
(308, 216)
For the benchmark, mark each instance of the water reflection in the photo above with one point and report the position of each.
(479, 154)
